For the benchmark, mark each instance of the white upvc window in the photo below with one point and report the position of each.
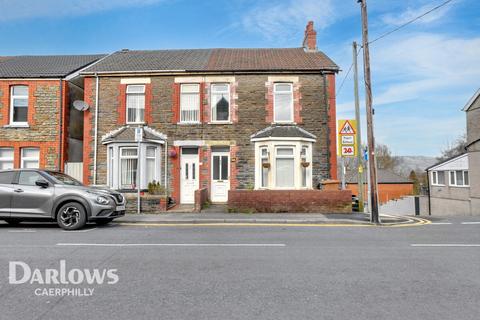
(285, 167)
(220, 102)
(283, 102)
(305, 162)
(459, 178)
(19, 105)
(30, 158)
(151, 160)
(135, 103)
(264, 169)
(6, 158)
(189, 103)
(128, 167)
(438, 178)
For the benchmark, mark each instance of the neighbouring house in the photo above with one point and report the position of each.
(391, 186)
(449, 190)
(36, 117)
(217, 120)
(473, 148)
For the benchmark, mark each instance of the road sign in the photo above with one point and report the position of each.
(138, 134)
(347, 142)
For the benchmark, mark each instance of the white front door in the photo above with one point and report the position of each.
(189, 177)
(220, 176)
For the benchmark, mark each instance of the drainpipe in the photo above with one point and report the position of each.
(325, 100)
(96, 132)
(429, 197)
(60, 125)
(166, 169)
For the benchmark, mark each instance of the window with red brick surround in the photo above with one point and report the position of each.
(122, 103)
(297, 107)
(5, 99)
(233, 103)
(176, 93)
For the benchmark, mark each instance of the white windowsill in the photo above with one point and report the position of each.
(17, 125)
(188, 123)
(220, 122)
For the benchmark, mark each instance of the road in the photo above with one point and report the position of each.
(250, 272)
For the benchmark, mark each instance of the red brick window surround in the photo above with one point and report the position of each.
(20, 94)
(282, 92)
(221, 102)
(134, 105)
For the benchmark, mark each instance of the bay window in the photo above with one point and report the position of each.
(19, 105)
(135, 103)
(30, 158)
(284, 168)
(283, 102)
(220, 101)
(264, 166)
(128, 167)
(6, 158)
(190, 103)
(150, 159)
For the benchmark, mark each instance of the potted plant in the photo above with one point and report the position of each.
(155, 188)
(305, 164)
(266, 165)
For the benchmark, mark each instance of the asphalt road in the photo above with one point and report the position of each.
(249, 272)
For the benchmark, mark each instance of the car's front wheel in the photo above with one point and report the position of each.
(72, 216)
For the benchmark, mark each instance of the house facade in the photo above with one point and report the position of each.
(214, 119)
(472, 110)
(36, 93)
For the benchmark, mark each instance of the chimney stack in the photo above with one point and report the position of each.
(310, 39)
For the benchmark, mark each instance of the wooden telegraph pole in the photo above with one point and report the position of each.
(359, 132)
(368, 102)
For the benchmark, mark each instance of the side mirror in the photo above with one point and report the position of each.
(42, 183)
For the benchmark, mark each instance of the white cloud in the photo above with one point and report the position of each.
(24, 9)
(411, 13)
(286, 19)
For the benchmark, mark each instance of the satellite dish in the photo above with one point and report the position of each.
(80, 105)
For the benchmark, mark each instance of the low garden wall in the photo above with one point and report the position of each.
(295, 201)
(148, 203)
(201, 198)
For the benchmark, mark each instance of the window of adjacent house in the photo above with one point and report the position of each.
(285, 168)
(264, 169)
(150, 163)
(30, 158)
(135, 103)
(304, 159)
(190, 103)
(6, 158)
(128, 167)
(283, 102)
(19, 105)
(438, 178)
(459, 178)
(220, 99)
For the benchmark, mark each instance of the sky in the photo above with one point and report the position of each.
(422, 75)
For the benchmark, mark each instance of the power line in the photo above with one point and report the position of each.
(411, 21)
(346, 75)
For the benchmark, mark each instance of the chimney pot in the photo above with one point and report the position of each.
(310, 39)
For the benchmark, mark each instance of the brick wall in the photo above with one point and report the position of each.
(386, 192)
(315, 201)
(148, 203)
(201, 198)
(43, 119)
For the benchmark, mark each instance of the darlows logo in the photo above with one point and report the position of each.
(65, 280)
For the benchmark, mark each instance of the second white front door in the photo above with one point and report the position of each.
(220, 176)
(189, 176)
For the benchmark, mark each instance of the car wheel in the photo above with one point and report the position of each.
(102, 222)
(72, 216)
(13, 222)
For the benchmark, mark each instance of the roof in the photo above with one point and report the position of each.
(204, 60)
(127, 134)
(283, 131)
(383, 176)
(458, 162)
(44, 66)
(472, 100)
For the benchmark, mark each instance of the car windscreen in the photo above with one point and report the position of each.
(62, 178)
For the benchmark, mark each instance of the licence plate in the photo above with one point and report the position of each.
(120, 208)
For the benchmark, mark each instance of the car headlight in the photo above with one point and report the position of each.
(102, 200)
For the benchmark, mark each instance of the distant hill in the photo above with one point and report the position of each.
(417, 163)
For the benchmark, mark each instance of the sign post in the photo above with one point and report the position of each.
(138, 139)
(347, 143)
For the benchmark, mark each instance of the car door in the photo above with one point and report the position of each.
(30, 200)
(6, 192)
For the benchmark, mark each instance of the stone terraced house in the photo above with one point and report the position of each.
(212, 119)
(36, 118)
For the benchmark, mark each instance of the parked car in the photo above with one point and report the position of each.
(43, 195)
(355, 203)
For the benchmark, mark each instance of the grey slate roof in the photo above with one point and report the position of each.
(272, 59)
(127, 134)
(383, 176)
(283, 131)
(44, 66)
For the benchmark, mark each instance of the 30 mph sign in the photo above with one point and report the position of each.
(347, 142)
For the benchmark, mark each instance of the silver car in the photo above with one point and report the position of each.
(42, 195)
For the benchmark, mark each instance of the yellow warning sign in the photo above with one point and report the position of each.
(347, 138)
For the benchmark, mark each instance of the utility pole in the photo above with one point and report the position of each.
(368, 103)
(359, 131)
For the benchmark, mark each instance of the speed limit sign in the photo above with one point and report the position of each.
(348, 151)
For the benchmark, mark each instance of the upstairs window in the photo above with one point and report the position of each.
(283, 102)
(6, 158)
(30, 158)
(135, 103)
(19, 105)
(220, 97)
(459, 178)
(438, 178)
(190, 103)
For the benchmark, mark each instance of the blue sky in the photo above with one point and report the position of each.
(422, 75)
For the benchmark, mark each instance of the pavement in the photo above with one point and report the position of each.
(257, 271)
